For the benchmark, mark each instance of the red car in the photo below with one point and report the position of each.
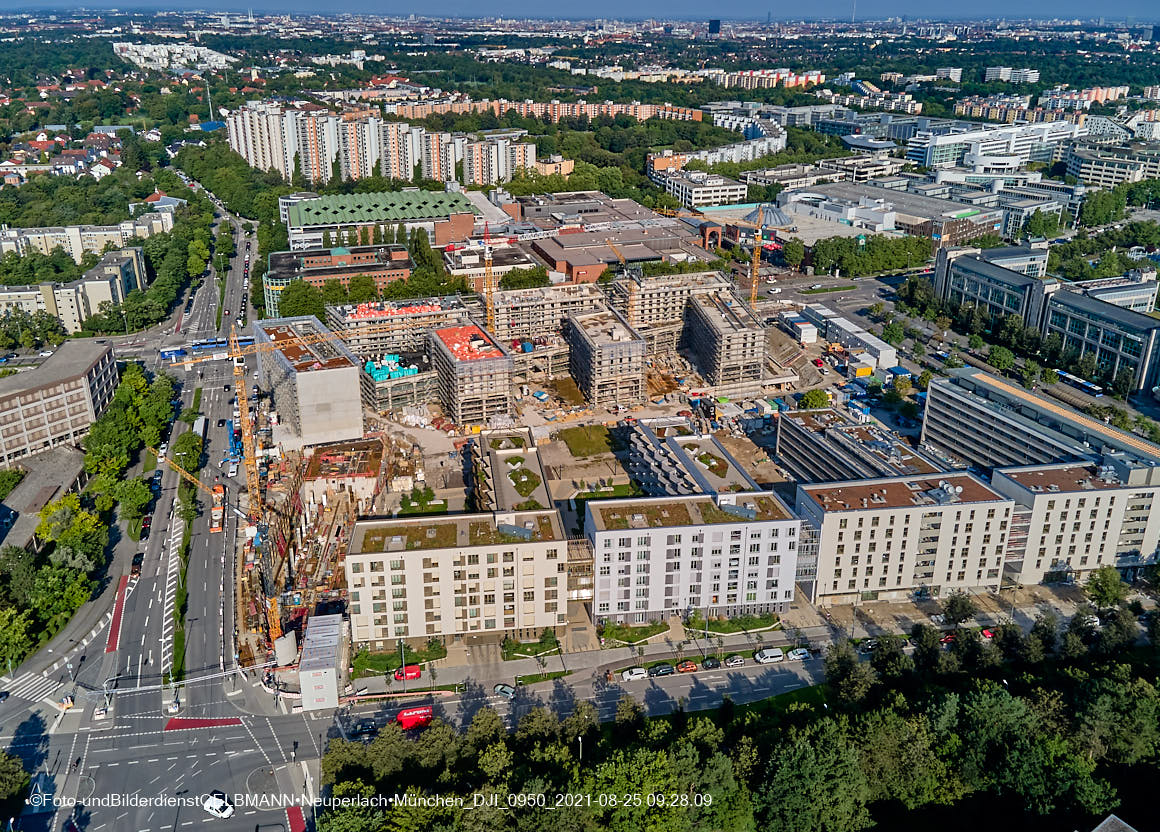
(415, 717)
(408, 672)
(988, 634)
(686, 667)
(147, 521)
(947, 639)
(818, 362)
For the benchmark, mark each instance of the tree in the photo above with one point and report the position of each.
(793, 251)
(975, 342)
(1040, 224)
(1000, 358)
(1031, 373)
(814, 781)
(901, 385)
(1123, 383)
(1049, 376)
(15, 638)
(300, 298)
(850, 678)
(1106, 588)
(893, 333)
(525, 278)
(877, 310)
(363, 289)
(13, 778)
(924, 379)
(133, 497)
(814, 400)
(958, 608)
(334, 293)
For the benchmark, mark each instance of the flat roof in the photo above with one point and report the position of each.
(604, 327)
(378, 310)
(1066, 478)
(303, 357)
(690, 510)
(321, 643)
(726, 314)
(73, 358)
(1113, 435)
(46, 475)
(468, 343)
(381, 206)
(451, 531)
(981, 266)
(1096, 308)
(903, 202)
(899, 492)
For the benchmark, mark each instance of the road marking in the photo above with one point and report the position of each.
(30, 686)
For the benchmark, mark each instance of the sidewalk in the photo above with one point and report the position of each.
(801, 623)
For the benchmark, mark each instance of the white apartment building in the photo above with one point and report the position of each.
(729, 554)
(79, 240)
(438, 156)
(262, 134)
(1072, 518)
(1015, 76)
(496, 574)
(889, 538)
(1010, 145)
(695, 189)
(493, 161)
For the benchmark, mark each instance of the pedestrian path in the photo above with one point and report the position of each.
(30, 686)
(172, 576)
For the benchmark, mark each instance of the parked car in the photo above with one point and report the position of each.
(818, 362)
(45, 353)
(711, 663)
(769, 655)
(135, 569)
(506, 691)
(633, 674)
(798, 654)
(687, 667)
(868, 646)
(217, 805)
(147, 521)
(662, 669)
(233, 472)
(948, 638)
(408, 672)
(734, 661)
(987, 633)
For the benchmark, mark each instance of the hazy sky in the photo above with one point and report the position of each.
(1139, 11)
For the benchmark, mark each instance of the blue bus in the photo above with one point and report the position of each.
(173, 355)
(215, 344)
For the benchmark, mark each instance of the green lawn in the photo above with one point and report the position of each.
(512, 649)
(148, 462)
(826, 289)
(624, 633)
(367, 663)
(814, 695)
(586, 440)
(737, 624)
(544, 677)
(196, 407)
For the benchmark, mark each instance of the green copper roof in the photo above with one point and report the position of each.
(393, 206)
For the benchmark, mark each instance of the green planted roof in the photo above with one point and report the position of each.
(392, 206)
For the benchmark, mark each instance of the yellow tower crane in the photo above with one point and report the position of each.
(489, 281)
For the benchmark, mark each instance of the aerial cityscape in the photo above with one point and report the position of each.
(472, 419)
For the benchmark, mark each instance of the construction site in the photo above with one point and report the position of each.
(338, 426)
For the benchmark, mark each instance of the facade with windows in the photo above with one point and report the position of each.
(501, 574)
(1074, 518)
(888, 539)
(1120, 339)
(721, 555)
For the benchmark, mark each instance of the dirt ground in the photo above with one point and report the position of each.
(661, 383)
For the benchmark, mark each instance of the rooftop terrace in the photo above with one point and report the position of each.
(901, 492)
(446, 532)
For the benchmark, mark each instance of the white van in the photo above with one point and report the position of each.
(770, 655)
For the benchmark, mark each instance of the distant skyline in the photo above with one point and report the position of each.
(1140, 12)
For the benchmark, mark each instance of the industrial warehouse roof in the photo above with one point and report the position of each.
(393, 206)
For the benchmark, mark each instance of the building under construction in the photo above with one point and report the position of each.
(507, 472)
(315, 386)
(655, 306)
(607, 358)
(396, 380)
(728, 342)
(530, 313)
(474, 374)
(407, 323)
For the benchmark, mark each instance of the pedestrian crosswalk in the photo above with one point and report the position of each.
(30, 686)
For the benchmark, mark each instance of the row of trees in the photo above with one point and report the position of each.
(31, 331)
(856, 256)
(34, 267)
(1049, 723)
